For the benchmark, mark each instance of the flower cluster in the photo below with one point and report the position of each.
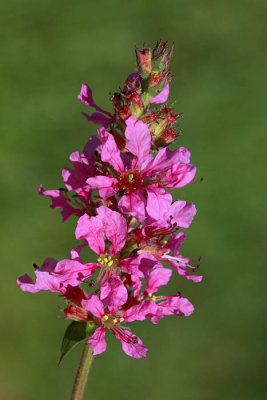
(119, 188)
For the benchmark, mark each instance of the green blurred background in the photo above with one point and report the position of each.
(47, 50)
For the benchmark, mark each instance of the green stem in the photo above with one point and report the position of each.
(82, 373)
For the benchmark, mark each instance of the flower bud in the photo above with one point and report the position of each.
(122, 111)
(135, 103)
(143, 60)
(161, 57)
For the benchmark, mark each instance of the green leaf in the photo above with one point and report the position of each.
(74, 334)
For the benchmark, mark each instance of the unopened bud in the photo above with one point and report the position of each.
(161, 56)
(135, 104)
(143, 60)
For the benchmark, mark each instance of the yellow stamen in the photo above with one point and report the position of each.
(154, 298)
(110, 263)
(121, 319)
(150, 294)
(105, 318)
(106, 259)
(115, 320)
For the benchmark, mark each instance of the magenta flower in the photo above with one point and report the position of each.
(112, 320)
(143, 177)
(107, 225)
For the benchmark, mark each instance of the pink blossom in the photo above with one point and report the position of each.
(141, 178)
(112, 320)
(112, 226)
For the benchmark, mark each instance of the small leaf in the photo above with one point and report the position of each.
(75, 333)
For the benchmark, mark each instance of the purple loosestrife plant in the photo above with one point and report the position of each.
(122, 184)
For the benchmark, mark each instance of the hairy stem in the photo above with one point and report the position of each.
(82, 373)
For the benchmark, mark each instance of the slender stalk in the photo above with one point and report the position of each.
(82, 373)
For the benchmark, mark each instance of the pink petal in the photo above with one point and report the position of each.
(91, 229)
(139, 139)
(162, 96)
(71, 272)
(139, 265)
(182, 213)
(75, 253)
(44, 281)
(91, 147)
(175, 242)
(158, 277)
(94, 306)
(184, 155)
(98, 119)
(98, 341)
(76, 179)
(179, 175)
(106, 186)
(111, 154)
(49, 265)
(140, 311)
(163, 161)
(180, 267)
(157, 202)
(115, 227)
(132, 349)
(59, 201)
(86, 97)
(113, 293)
(133, 204)
(176, 305)
(26, 284)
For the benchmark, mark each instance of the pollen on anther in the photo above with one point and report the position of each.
(150, 294)
(105, 318)
(121, 319)
(110, 263)
(115, 320)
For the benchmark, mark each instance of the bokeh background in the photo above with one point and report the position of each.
(47, 50)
